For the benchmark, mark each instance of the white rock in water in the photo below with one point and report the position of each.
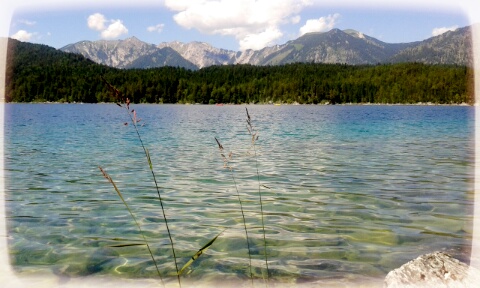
(436, 269)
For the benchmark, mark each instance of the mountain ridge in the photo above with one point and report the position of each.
(39, 73)
(335, 46)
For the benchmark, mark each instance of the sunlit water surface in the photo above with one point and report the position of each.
(349, 192)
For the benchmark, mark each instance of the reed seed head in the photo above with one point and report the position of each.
(219, 145)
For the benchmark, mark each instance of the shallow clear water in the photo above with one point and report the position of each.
(351, 193)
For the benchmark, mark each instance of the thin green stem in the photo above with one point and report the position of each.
(261, 211)
(226, 165)
(254, 135)
(245, 226)
(134, 219)
(120, 98)
(147, 155)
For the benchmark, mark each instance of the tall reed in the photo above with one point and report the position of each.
(226, 164)
(124, 102)
(254, 134)
(134, 219)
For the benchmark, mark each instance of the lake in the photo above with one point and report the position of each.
(348, 192)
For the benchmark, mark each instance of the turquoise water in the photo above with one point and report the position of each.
(351, 193)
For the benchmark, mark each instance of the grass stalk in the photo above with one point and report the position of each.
(133, 117)
(226, 161)
(147, 155)
(254, 135)
(134, 219)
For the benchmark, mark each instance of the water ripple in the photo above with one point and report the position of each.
(348, 193)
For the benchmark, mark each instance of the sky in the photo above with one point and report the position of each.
(229, 24)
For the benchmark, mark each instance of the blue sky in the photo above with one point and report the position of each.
(229, 24)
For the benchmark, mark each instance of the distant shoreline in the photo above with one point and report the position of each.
(264, 104)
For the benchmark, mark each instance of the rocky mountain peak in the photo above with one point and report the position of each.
(335, 46)
(133, 40)
(354, 33)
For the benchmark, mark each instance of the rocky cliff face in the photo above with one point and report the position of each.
(128, 53)
(335, 46)
(201, 53)
(116, 53)
(452, 47)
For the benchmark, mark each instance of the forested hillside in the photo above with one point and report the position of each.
(41, 73)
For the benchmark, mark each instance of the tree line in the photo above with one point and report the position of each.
(41, 73)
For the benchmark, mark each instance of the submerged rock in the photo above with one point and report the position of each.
(436, 269)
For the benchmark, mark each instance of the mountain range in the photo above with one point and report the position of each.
(335, 46)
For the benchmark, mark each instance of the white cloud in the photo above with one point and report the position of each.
(180, 5)
(441, 30)
(254, 24)
(22, 35)
(157, 28)
(321, 24)
(296, 19)
(98, 22)
(260, 40)
(114, 30)
(27, 22)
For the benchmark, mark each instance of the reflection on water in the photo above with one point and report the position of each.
(351, 191)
